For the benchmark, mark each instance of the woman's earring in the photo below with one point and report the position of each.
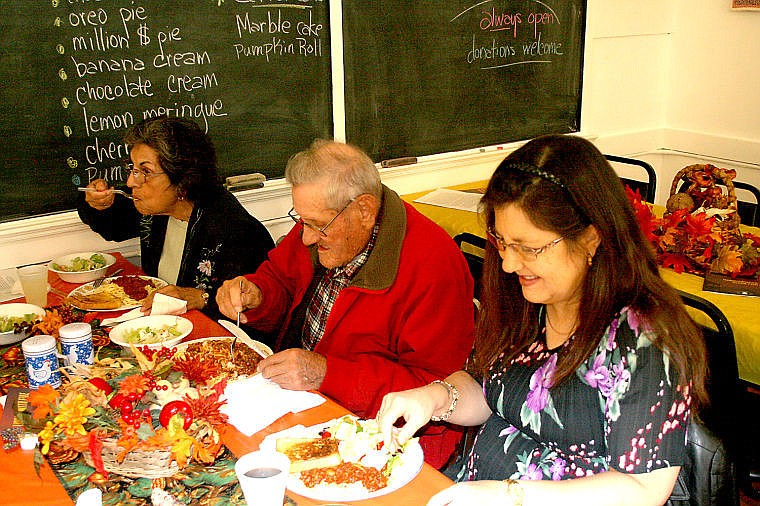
(589, 259)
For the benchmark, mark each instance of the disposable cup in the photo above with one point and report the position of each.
(262, 476)
(34, 283)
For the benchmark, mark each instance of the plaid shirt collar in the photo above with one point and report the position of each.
(328, 289)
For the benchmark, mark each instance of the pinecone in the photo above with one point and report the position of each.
(67, 314)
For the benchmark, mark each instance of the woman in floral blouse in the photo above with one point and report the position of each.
(193, 233)
(587, 365)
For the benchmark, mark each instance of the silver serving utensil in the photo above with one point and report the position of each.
(120, 192)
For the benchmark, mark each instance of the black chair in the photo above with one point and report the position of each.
(646, 188)
(714, 444)
(473, 248)
(749, 212)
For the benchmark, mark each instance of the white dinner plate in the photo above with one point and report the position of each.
(411, 464)
(86, 288)
(257, 346)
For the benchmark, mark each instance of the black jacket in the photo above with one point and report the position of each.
(222, 240)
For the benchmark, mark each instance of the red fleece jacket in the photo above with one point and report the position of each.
(404, 320)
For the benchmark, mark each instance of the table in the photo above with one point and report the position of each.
(20, 485)
(743, 312)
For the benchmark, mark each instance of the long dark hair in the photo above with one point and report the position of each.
(564, 184)
(185, 153)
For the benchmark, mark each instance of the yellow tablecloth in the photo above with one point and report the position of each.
(742, 312)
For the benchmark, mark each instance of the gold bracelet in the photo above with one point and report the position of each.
(514, 492)
(453, 395)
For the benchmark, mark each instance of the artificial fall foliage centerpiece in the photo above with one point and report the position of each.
(699, 231)
(119, 412)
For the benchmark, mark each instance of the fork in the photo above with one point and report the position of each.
(234, 339)
(113, 190)
(99, 281)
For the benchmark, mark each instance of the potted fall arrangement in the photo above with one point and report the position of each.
(699, 230)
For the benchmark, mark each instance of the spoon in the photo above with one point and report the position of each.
(112, 190)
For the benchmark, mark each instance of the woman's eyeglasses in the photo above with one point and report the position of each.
(526, 252)
(320, 230)
(139, 176)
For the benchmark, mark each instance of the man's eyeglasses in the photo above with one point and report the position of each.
(320, 230)
(526, 252)
(139, 176)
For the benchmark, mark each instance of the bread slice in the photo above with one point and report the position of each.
(309, 453)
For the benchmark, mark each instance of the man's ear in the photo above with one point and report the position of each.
(368, 207)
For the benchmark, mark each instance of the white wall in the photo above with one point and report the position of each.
(674, 82)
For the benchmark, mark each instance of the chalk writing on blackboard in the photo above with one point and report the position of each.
(434, 77)
(254, 74)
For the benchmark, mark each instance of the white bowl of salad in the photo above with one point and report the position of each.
(155, 332)
(82, 267)
(16, 320)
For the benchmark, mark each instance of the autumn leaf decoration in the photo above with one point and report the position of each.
(77, 420)
(693, 242)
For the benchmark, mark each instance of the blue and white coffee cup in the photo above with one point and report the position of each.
(41, 361)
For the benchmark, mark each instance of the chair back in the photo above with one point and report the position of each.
(646, 188)
(473, 248)
(749, 212)
(709, 475)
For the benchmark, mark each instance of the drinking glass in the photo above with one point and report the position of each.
(34, 282)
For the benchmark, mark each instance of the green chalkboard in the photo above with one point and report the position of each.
(432, 76)
(76, 74)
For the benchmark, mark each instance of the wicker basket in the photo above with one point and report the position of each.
(707, 193)
(137, 463)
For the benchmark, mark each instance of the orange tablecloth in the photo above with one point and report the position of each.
(19, 484)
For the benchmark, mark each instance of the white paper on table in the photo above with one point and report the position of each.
(254, 403)
(162, 304)
(452, 199)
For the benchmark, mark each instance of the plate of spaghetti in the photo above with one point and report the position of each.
(248, 354)
(115, 294)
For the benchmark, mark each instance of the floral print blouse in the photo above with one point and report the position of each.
(622, 409)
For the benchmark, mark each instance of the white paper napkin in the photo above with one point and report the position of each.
(162, 304)
(254, 403)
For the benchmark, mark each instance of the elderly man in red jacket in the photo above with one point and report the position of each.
(369, 296)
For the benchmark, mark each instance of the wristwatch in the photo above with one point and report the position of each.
(205, 296)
